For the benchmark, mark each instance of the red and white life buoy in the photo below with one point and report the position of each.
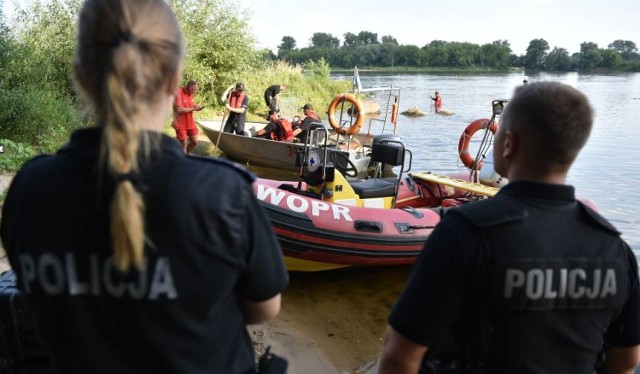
(463, 144)
(355, 127)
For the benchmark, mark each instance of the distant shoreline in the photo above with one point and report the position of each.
(405, 69)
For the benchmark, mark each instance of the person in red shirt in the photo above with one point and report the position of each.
(183, 108)
(438, 101)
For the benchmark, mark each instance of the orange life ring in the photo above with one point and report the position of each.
(463, 144)
(355, 127)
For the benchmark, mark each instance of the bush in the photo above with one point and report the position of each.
(37, 116)
(14, 155)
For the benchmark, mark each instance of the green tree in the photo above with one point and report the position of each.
(436, 53)
(324, 40)
(558, 60)
(626, 48)
(351, 40)
(220, 49)
(588, 46)
(590, 56)
(369, 55)
(388, 39)
(463, 54)
(536, 52)
(46, 33)
(288, 44)
(497, 54)
(409, 55)
(611, 58)
(590, 60)
(267, 55)
(6, 47)
(367, 37)
(389, 46)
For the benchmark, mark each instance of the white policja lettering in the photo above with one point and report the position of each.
(571, 283)
(58, 276)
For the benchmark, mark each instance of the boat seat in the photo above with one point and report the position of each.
(387, 150)
(370, 188)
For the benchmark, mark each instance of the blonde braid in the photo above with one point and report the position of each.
(122, 138)
(126, 53)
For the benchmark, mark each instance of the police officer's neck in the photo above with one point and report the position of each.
(532, 175)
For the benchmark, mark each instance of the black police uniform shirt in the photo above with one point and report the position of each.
(305, 125)
(272, 127)
(528, 281)
(209, 244)
(272, 91)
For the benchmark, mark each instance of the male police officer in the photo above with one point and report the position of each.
(530, 281)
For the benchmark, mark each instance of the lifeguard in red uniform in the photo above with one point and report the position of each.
(438, 101)
(183, 108)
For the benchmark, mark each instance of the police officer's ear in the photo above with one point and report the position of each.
(510, 143)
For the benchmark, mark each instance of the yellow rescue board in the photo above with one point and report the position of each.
(461, 184)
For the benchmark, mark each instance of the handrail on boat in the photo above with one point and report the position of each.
(394, 92)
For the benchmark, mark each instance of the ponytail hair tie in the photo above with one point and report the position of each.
(122, 177)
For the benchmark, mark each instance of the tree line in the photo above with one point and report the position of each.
(364, 49)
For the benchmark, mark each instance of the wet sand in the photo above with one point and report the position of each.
(333, 322)
(330, 322)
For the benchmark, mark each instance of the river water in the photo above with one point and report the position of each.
(606, 170)
(345, 311)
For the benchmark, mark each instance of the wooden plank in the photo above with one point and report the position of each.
(460, 184)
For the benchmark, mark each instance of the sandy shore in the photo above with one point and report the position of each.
(331, 322)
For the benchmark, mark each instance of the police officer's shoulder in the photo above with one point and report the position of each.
(496, 211)
(241, 170)
(37, 160)
(598, 219)
(35, 163)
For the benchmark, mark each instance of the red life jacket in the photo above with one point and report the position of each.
(235, 101)
(313, 115)
(286, 131)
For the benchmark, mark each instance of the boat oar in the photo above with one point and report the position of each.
(225, 96)
(224, 112)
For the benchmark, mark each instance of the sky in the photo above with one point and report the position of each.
(562, 23)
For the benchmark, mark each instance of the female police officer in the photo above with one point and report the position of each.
(130, 261)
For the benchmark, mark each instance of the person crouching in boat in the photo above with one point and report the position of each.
(301, 128)
(280, 129)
